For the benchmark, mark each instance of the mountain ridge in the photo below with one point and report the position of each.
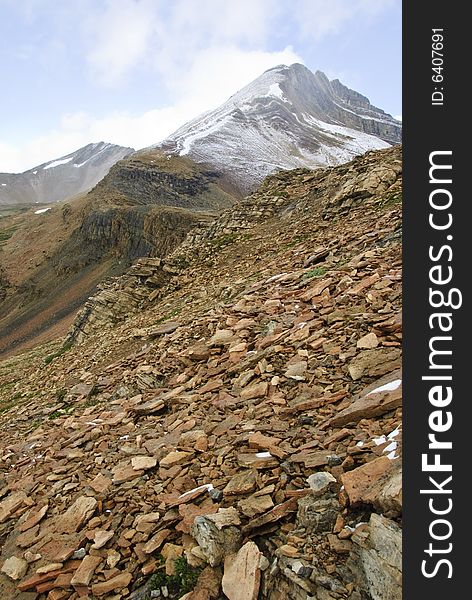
(61, 178)
(53, 259)
(287, 118)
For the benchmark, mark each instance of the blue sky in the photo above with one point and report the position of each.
(132, 71)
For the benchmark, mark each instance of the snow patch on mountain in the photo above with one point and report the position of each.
(287, 118)
(56, 163)
(63, 177)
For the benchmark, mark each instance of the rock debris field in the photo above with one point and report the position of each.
(225, 422)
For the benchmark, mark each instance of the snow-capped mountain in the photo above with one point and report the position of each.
(63, 178)
(287, 118)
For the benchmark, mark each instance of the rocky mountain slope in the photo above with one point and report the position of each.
(224, 422)
(62, 178)
(285, 119)
(52, 261)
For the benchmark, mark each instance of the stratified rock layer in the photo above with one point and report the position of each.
(194, 434)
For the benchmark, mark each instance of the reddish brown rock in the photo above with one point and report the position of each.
(174, 458)
(369, 406)
(100, 483)
(83, 575)
(33, 518)
(242, 575)
(255, 390)
(112, 585)
(76, 515)
(126, 473)
(375, 363)
(143, 462)
(368, 341)
(242, 483)
(378, 482)
(11, 504)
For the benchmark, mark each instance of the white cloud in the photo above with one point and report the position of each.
(120, 37)
(165, 37)
(214, 75)
(199, 53)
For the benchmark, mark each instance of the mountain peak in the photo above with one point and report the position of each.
(286, 118)
(63, 177)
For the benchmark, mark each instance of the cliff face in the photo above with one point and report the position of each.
(145, 206)
(152, 177)
(228, 417)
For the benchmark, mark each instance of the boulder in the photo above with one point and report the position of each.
(376, 559)
(242, 574)
(378, 482)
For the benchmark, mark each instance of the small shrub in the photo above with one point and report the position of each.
(169, 315)
(317, 272)
(183, 581)
(62, 350)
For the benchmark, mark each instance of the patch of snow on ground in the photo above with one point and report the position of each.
(380, 440)
(357, 141)
(390, 447)
(206, 486)
(90, 157)
(366, 117)
(263, 454)
(56, 163)
(388, 387)
(41, 211)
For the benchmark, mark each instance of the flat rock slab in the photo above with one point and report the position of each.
(15, 567)
(378, 483)
(83, 575)
(255, 505)
(255, 390)
(150, 407)
(273, 515)
(375, 362)
(11, 504)
(371, 405)
(100, 483)
(33, 518)
(162, 329)
(175, 458)
(62, 547)
(112, 585)
(126, 473)
(258, 460)
(76, 515)
(242, 483)
(242, 575)
(143, 462)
